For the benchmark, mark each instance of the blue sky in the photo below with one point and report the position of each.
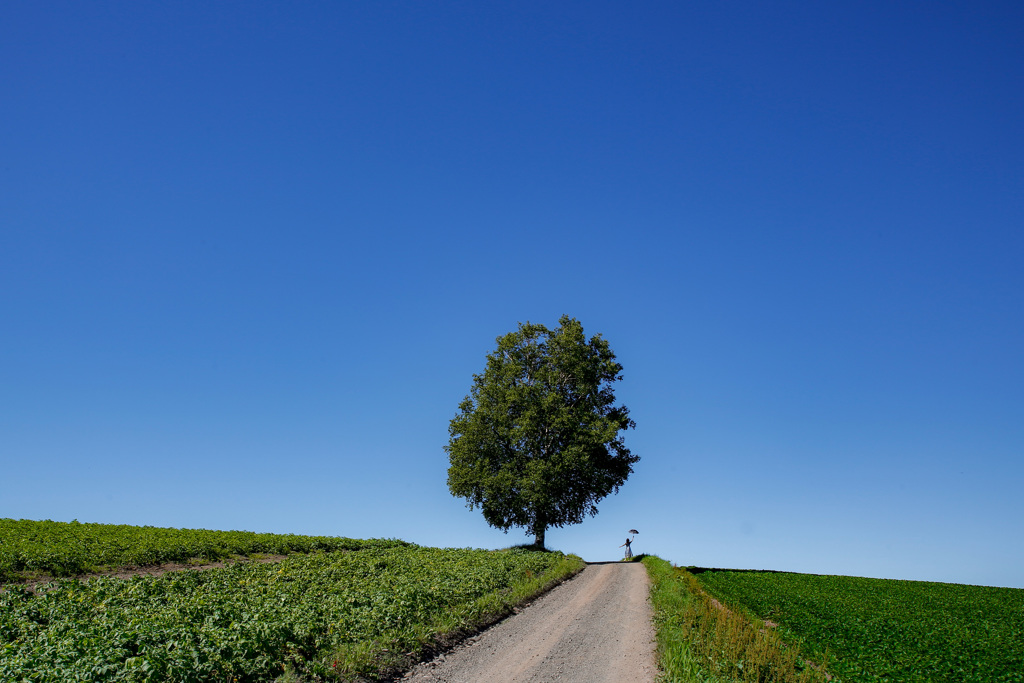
(251, 255)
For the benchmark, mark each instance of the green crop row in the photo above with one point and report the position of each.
(322, 616)
(887, 630)
(68, 549)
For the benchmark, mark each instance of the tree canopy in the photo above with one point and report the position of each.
(536, 443)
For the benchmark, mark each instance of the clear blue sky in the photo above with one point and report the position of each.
(252, 253)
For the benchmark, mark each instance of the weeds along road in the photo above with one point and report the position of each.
(594, 627)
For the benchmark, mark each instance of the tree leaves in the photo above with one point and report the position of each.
(536, 442)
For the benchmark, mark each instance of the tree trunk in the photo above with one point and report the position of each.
(540, 538)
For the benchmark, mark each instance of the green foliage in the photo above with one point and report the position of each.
(67, 549)
(886, 630)
(536, 443)
(329, 616)
(701, 641)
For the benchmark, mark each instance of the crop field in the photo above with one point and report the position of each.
(886, 630)
(321, 616)
(68, 549)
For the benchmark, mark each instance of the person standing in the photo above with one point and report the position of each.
(629, 553)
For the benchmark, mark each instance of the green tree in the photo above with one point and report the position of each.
(536, 443)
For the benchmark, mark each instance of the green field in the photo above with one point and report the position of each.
(67, 549)
(886, 630)
(315, 616)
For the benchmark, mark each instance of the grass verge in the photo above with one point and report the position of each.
(702, 641)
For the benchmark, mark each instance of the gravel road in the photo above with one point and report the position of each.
(594, 627)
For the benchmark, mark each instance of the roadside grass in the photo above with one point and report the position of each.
(702, 641)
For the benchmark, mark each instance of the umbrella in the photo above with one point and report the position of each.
(633, 531)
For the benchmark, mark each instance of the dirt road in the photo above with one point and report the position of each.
(595, 627)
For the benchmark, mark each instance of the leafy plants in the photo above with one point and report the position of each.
(68, 549)
(320, 616)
